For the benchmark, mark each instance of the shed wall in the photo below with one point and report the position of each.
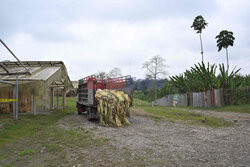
(24, 102)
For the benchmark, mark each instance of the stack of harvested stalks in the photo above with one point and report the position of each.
(113, 107)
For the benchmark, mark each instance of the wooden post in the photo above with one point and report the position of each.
(16, 97)
(52, 99)
(14, 103)
(64, 97)
(33, 104)
(34, 101)
(57, 100)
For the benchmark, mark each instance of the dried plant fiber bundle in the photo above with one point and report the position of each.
(112, 107)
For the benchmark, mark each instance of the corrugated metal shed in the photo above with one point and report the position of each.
(45, 76)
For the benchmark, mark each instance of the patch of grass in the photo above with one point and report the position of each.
(140, 103)
(5, 155)
(56, 139)
(244, 108)
(170, 114)
(9, 165)
(27, 125)
(236, 108)
(27, 152)
(188, 117)
(53, 147)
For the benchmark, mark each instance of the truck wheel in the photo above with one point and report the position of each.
(80, 110)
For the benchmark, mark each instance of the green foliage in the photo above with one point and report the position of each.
(225, 39)
(180, 83)
(199, 24)
(27, 152)
(148, 93)
(168, 88)
(139, 102)
(206, 76)
(226, 80)
(145, 94)
(201, 78)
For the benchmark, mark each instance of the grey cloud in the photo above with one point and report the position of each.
(45, 22)
(43, 18)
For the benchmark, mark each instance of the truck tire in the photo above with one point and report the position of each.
(80, 110)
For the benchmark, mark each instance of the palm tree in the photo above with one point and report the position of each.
(199, 24)
(225, 39)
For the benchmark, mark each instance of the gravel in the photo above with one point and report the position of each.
(161, 143)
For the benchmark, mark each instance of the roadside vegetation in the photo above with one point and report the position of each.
(144, 108)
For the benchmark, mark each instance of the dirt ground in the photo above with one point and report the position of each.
(147, 142)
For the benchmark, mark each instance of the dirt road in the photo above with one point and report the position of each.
(147, 142)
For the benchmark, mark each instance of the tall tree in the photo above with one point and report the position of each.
(155, 68)
(199, 24)
(115, 72)
(101, 75)
(225, 39)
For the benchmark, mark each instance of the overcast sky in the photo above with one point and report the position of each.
(97, 35)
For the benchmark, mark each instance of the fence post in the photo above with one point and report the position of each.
(57, 100)
(33, 104)
(16, 94)
(222, 96)
(14, 103)
(52, 99)
(64, 97)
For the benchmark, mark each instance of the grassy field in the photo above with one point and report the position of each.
(23, 140)
(11, 130)
(170, 114)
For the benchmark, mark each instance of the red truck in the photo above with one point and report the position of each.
(87, 87)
